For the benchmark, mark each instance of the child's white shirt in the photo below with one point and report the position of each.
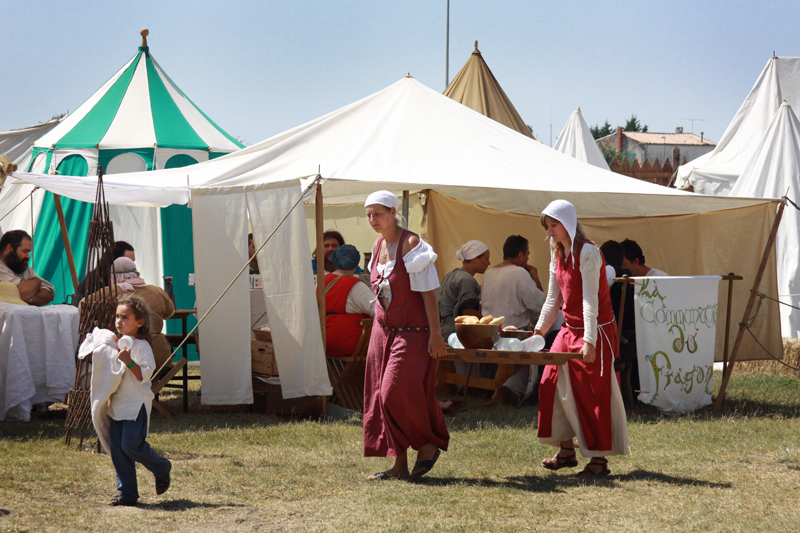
(127, 401)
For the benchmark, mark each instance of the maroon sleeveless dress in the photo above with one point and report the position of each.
(400, 406)
(591, 382)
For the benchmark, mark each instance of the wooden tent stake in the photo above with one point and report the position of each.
(67, 246)
(728, 370)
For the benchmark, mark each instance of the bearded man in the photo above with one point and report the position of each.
(15, 254)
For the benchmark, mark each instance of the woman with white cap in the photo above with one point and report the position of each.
(400, 406)
(581, 398)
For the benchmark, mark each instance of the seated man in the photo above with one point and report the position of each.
(512, 289)
(331, 240)
(15, 253)
(460, 292)
(160, 304)
(120, 249)
(348, 301)
(634, 261)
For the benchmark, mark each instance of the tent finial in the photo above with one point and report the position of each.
(408, 75)
(476, 45)
(144, 33)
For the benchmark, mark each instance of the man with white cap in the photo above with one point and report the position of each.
(512, 289)
(460, 292)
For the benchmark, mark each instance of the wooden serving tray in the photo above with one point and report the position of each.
(505, 357)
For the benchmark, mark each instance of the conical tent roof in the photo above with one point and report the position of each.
(139, 107)
(576, 141)
(476, 87)
(716, 172)
(774, 171)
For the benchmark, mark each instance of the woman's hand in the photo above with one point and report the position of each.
(124, 355)
(436, 346)
(588, 352)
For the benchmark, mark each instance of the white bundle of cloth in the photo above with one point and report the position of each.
(107, 372)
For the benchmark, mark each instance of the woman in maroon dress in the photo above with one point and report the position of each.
(580, 399)
(400, 406)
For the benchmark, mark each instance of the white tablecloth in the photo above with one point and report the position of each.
(37, 356)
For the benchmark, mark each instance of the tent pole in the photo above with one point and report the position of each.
(728, 370)
(405, 206)
(320, 263)
(67, 246)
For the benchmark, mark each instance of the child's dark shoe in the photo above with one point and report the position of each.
(119, 500)
(162, 486)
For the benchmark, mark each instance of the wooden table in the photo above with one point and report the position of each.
(495, 356)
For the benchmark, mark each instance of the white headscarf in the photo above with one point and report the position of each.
(125, 274)
(564, 212)
(384, 198)
(471, 250)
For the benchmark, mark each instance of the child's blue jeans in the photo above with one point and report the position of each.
(128, 445)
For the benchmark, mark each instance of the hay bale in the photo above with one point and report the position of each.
(791, 356)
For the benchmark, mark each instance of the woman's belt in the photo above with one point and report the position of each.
(405, 329)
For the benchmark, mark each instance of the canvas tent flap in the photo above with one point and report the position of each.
(774, 171)
(682, 245)
(576, 140)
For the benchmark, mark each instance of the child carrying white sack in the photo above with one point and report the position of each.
(121, 397)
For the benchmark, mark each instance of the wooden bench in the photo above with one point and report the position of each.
(347, 373)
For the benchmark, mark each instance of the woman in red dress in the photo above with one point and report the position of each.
(581, 398)
(400, 406)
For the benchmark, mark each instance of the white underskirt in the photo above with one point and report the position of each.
(566, 424)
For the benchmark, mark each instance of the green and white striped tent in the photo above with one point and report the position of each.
(139, 120)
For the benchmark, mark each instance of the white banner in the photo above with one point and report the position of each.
(676, 322)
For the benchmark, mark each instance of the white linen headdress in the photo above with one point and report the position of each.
(564, 212)
(384, 198)
(471, 250)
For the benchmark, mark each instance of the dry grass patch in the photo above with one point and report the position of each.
(736, 471)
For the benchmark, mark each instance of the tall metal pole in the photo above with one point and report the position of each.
(447, 50)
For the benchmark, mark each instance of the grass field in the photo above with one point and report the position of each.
(734, 471)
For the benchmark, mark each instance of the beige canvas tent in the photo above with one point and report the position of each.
(476, 87)
(472, 177)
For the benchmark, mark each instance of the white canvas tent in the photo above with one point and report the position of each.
(576, 141)
(774, 171)
(18, 145)
(480, 180)
(716, 172)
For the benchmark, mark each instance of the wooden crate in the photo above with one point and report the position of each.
(263, 334)
(267, 399)
(263, 357)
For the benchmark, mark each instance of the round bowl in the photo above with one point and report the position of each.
(477, 336)
(516, 334)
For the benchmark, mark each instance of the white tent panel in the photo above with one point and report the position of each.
(774, 171)
(131, 126)
(291, 302)
(220, 221)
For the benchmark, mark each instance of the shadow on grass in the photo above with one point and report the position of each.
(184, 505)
(557, 484)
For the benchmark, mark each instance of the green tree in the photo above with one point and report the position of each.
(598, 131)
(611, 154)
(633, 124)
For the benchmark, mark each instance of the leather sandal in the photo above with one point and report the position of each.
(601, 462)
(423, 467)
(558, 462)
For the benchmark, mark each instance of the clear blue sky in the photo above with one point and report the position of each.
(259, 68)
